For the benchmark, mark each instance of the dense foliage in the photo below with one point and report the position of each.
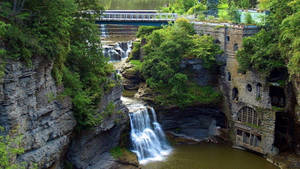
(277, 44)
(213, 10)
(58, 30)
(165, 50)
(144, 31)
(185, 6)
(194, 6)
(9, 148)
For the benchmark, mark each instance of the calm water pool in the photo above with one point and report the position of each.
(210, 156)
(133, 4)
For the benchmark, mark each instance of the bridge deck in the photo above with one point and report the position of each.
(131, 11)
(130, 16)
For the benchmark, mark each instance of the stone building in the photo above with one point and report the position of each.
(249, 96)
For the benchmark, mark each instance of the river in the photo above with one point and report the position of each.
(133, 4)
(210, 156)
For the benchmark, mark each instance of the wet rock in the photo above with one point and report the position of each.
(131, 77)
(145, 93)
(118, 51)
(193, 123)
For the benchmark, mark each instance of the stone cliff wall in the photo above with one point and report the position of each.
(28, 104)
(195, 123)
(90, 148)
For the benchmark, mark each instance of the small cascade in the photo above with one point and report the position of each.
(104, 33)
(212, 130)
(129, 48)
(148, 139)
(118, 51)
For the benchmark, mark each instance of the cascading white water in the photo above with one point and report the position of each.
(148, 139)
(117, 52)
(103, 31)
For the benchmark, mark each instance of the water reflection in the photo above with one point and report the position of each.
(210, 156)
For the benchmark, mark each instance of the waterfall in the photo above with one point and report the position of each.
(103, 31)
(212, 130)
(148, 139)
(118, 51)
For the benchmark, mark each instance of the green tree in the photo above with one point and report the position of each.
(289, 42)
(277, 44)
(164, 52)
(203, 47)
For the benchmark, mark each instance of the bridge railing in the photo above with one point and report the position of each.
(138, 16)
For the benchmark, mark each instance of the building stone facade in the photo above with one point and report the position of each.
(248, 102)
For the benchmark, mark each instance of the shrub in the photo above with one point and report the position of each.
(135, 53)
(248, 19)
(9, 149)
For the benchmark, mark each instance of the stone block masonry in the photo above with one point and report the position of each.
(247, 103)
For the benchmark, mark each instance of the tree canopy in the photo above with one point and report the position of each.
(58, 31)
(165, 50)
(277, 44)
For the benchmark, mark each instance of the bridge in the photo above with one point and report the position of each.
(136, 17)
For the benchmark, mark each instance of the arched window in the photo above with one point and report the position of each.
(235, 94)
(227, 38)
(248, 115)
(229, 76)
(217, 41)
(249, 88)
(258, 90)
(236, 47)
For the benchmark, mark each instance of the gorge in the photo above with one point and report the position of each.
(202, 91)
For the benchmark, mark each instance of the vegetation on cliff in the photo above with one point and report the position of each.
(59, 32)
(277, 45)
(164, 52)
(9, 148)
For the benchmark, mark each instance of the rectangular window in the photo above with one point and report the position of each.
(239, 132)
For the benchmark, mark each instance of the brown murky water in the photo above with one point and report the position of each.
(210, 156)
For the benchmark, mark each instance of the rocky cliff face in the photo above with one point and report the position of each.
(28, 104)
(194, 123)
(90, 148)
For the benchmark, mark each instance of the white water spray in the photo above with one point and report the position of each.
(148, 139)
(103, 31)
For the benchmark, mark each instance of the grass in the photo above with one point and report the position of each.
(129, 93)
(116, 152)
(204, 94)
(253, 125)
(277, 109)
(119, 152)
(137, 65)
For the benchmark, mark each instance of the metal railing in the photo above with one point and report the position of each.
(138, 17)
